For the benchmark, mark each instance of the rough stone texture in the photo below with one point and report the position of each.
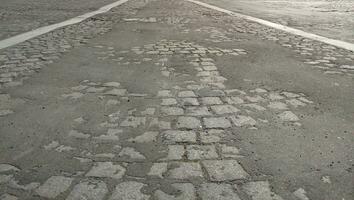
(79, 135)
(5, 112)
(8, 167)
(216, 122)
(172, 111)
(190, 101)
(187, 192)
(255, 107)
(188, 122)
(198, 152)
(234, 100)
(212, 135)
(241, 120)
(186, 94)
(184, 170)
(130, 190)
(8, 197)
(301, 194)
(88, 190)
(295, 103)
(158, 169)
(224, 170)
(145, 137)
(133, 121)
(260, 191)
(254, 99)
(172, 136)
(164, 93)
(54, 186)
(168, 102)
(224, 109)
(198, 111)
(116, 92)
(106, 169)
(5, 178)
(278, 105)
(288, 116)
(148, 111)
(131, 153)
(213, 191)
(275, 96)
(175, 152)
(211, 100)
(229, 151)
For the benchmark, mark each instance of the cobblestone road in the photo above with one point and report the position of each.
(166, 100)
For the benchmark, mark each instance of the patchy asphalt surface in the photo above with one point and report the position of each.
(164, 100)
(18, 16)
(329, 18)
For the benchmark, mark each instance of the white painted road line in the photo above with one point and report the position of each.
(40, 31)
(337, 43)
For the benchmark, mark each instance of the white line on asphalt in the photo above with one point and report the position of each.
(337, 43)
(40, 31)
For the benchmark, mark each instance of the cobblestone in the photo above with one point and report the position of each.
(260, 191)
(89, 190)
(172, 136)
(212, 135)
(185, 171)
(295, 103)
(190, 101)
(278, 105)
(145, 137)
(198, 111)
(229, 151)
(168, 102)
(8, 167)
(186, 94)
(217, 122)
(114, 146)
(288, 116)
(188, 122)
(78, 135)
(131, 153)
(172, 111)
(8, 197)
(5, 179)
(224, 170)
(224, 109)
(164, 93)
(134, 121)
(175, 152)
(301, 194)
(106, 169)
(199, 152)
(211, 100)
(241, 120)
(54, 186)
(5, 112)
(129, 191)
(187, 192)
(234, 100)
(158, 169)
(211, 191)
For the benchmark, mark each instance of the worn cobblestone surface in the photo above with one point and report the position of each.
(179, 143)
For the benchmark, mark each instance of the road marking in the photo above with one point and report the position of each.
(337, 43)
(40, 31)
